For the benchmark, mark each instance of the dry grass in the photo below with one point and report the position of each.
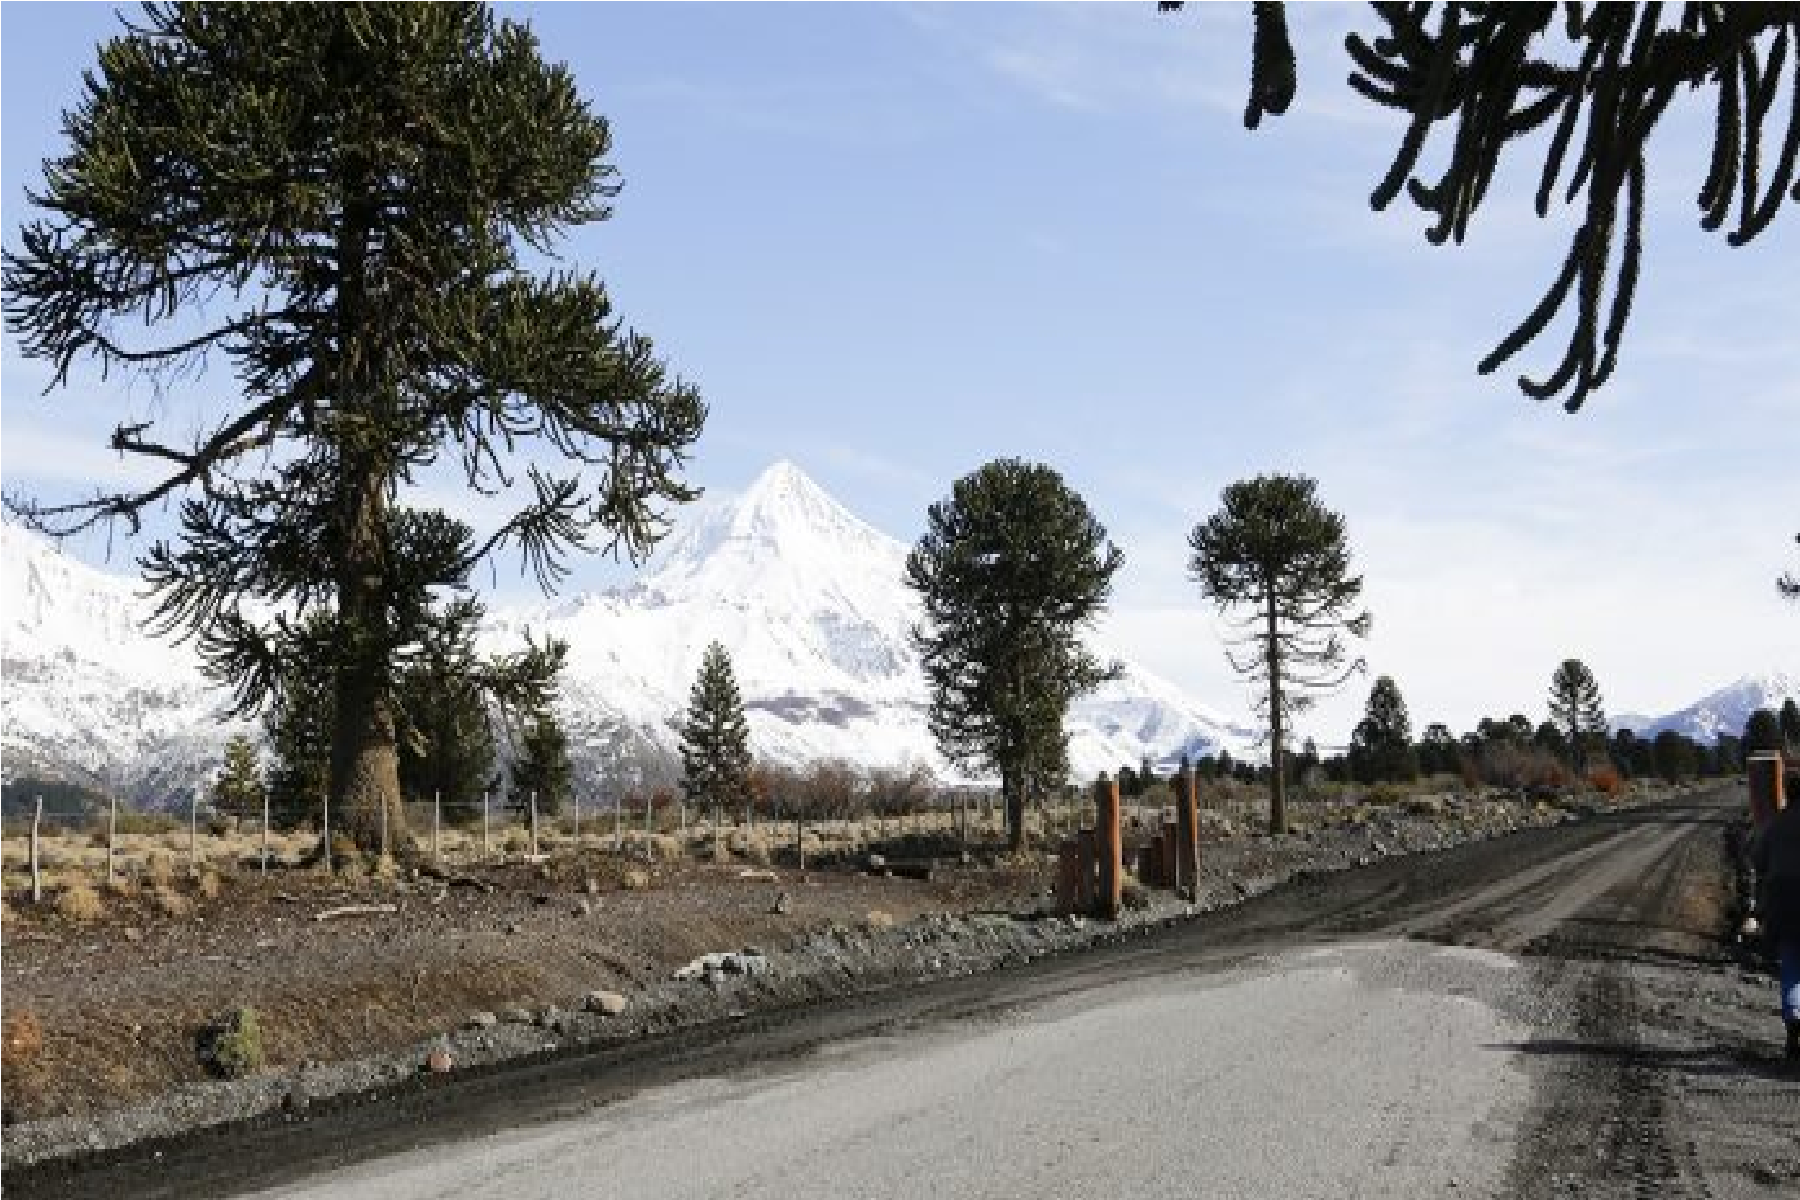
(21, 1039)
(208, 884)
(171, 903)
(80, 902)
(635, 880)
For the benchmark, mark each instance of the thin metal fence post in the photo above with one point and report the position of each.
(265, 832)
(486, 847)
(534, 825)
(194, 832)
(112, 836)
(37, 877)
(437, 821)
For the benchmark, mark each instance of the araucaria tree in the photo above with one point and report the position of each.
(715, 738)
(331, 201)
(541, 771)
(1278, 555)
(1575, 708)
(1381, 747)
(1011, 568)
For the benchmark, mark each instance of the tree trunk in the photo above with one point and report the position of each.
(365, 758)
(1277, 758)
(1012, 784)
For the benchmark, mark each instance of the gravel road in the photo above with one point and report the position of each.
(1551, 1013)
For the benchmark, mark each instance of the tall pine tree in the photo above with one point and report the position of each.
(1576, 709)
(237, 791)
(1011, 568)
(1381, 748)
(335, 203)
(715, 738)
(447, 749)
(1278, 555)
(541, 766)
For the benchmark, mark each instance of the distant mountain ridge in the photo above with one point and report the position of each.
(1722, 711)
(807, 597)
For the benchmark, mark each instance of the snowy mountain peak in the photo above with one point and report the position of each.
(784, 524)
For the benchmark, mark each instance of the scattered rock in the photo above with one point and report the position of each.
(439, 1062)
(712, 967)
(512, 927)
(756, 873)
(782, 906)
(542, 899)
(609, 1003)
(636, 880)
(134, 934)
(481, 1020)
(591, 886)
(877, 862)
(879, 919)
(549, 1017)
(516, 1016)
(584, 907)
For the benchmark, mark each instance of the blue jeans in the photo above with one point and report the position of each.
(1787, 954)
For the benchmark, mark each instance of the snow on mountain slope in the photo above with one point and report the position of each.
(807, 597)
(809, 600)
(1723, 711)
(88, 694)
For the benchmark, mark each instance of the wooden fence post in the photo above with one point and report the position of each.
(1187, 832)
(37, 876)
(1763, 772)
(1106, 803)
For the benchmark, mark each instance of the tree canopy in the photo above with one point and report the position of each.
(715, 737)
(1575, 706)
(1277, 554)
(1011, 567)
(1381, 748)
(331, 201)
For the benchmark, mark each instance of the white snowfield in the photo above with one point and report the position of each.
(808, 598)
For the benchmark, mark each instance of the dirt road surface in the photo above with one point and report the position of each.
(1554, 1013)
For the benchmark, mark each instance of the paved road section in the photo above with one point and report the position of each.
(1550, 1013)
(1353, 1071)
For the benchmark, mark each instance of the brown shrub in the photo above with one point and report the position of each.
(21, 1039)
(159, 870)
(80, 902)
(1605, 779)
(208, 885)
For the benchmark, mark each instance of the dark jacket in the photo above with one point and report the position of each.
(1776, 856)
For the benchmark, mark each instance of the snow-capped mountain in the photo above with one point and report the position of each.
(89, 695)
(1723, 711)
(807, 597)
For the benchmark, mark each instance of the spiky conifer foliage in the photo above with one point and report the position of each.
(1011, 568)
(1600, 77)
(715, 737)
(1381, 748)
(541, 766)
(1576, 708)
(237, 790)
(1274, 552)
(330, 200)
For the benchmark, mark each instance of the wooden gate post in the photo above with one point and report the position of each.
(1766, 799)
(1107, 842)
(1187, 832)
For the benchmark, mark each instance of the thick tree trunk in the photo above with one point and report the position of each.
(1277, 758)
(365, 758)
(1012, 788)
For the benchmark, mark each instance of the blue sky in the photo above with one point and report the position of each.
(893, 242)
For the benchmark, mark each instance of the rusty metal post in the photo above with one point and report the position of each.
(1108, 846)
(1187, 832)
(1766, 798)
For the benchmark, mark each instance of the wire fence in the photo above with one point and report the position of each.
(111, 841)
